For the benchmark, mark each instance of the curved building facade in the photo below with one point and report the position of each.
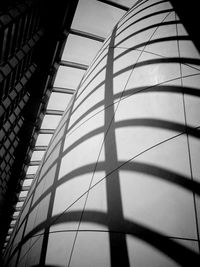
(119, 183)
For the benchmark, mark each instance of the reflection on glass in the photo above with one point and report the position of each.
(96, 17)
(68, 77)
(58, 101)
(80, 49)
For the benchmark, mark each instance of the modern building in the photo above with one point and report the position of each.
(28, 43)
(21, 33)
(118, 183)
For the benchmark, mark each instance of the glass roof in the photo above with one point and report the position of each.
(68, 77)
(32, 169)
(104, 16)
(58, 101)
(27, 182)
(43, 139)
(50, 121)
(80, 49)
(37, 155)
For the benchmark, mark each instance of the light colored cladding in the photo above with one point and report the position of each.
(122, 171)
(58, 255)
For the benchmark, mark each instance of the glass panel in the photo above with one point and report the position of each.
(19, 204)
(58, 101)
(50, 121)
(68, 77)
(37, 155)
(11, 229)
(80, 49)
(27, 182)
(96, 17)
(23, 193)
(16, 213)
(32, 169)
(43, 139)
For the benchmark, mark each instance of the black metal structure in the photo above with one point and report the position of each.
(31, 34)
